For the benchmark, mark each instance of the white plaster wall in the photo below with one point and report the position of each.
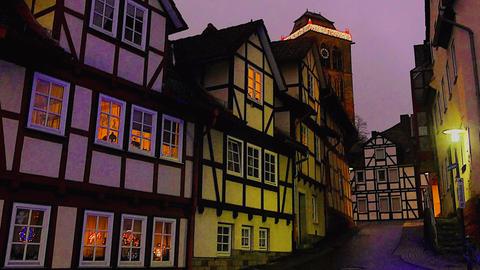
(82, 105)
(63, 40)
(105, 169)
(169, 181)
(75, 26)
(130, 66)
(182, 241)
(190, 137)
(188, 179)
(12, 79)
(157, 31)
(40, 157)
(63, 244)
(139, 175)
(10, 129)
(76, 5)
(76, 157)
(391, 150)
(99, 54)
(153, 61)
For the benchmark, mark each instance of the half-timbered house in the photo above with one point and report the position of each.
(383, 178)
(244, 174)
(96, 156)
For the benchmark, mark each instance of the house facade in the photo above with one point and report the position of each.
(96, 157)
(385, 185)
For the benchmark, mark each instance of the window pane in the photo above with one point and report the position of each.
(40, 102)
(57, 91)
(102, 223)
(42, 86)
(99, 254)
(17, 251)
(22, 216)
(32, 252)
(53, 121)
(39, 118)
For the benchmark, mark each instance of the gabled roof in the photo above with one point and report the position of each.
(174, 15)
(292, 49)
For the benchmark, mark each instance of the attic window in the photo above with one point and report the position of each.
(104, 16)
(255, 84)
(380, 153)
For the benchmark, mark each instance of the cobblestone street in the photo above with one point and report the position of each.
(390, 245)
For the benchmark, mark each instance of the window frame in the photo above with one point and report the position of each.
(170, 262)
(377, 174)
(142, 244)
(65, 103)
(384, 153)
(362, 172)
(275, 155)
(249, 238)
(396, 172)
(366, 205)
(241, 153)
(255, 70)
(310, 87)
(153, 140)
(230, 227)
(43, 241)
(260, 247)
(114, 19)
(391, 203)
(259, 149)
(314, 209)
(142, 45)
(108, 246)
(122, 122)
(181, 124)
(379, 204)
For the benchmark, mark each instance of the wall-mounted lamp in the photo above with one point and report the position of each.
(454, 134)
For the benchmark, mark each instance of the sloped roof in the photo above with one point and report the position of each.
(292, 49)
(175, 17)
(213, 44)
(314, 15)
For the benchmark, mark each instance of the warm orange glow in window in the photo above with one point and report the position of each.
(47, 104)
(142, 128)
(254, 84)
(171, 138)
(109, 121)
(95, 238)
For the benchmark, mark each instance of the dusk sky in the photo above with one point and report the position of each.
(384, 32)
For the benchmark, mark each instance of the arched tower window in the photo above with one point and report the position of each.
(325, 55)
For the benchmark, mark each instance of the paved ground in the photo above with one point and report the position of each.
(390, 245)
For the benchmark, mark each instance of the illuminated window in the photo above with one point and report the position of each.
(381, 175)
(362, 205)
(224, 235)
(135, 22)
(393, 175)
(96, 239)
(255, 84)
(111, 115)
(314, 209)
(234, 156)
(132, 240)
(263, 238)
(383, 205)
(396, 204)
(253, 162)
(246, 237)
(104, 16)
(163, 244)
(172, 137)
(48, 105)
(143, 130)
(270, 165)
(27, 239)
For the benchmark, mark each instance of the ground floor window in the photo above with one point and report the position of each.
(246, 237)
(27, 239)
(163, 242)
(132, 240)
(96, 239)
(224, 235)
(263, 239)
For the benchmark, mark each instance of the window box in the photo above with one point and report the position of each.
(163, 243)
(234, 156)
(96, 239)
(135, 24)
(143, 130)
(104, 16)
(110, 122)
(172, 138)
(132, 241)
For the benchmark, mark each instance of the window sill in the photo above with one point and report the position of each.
(59, 133)
(109, 145)
(171, 160)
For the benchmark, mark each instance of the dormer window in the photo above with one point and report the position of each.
(134, 26)
(104, 16)
(255, 85)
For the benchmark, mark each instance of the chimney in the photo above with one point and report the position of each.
(374, 133)
(405, 120)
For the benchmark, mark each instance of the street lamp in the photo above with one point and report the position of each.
(454, 133)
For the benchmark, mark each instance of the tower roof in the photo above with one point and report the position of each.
(316, 18)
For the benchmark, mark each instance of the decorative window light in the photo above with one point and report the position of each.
(143, 124)
(384, 205)
(172, 138)
(270, 165)
(110, 122)
(393, 175)
(48, 104)
(314, 209)
(234, 156)
(134, 24)
(163, 244)
(255, 84)
(224, 236)
(132, 241)
(263, 239)
(104, 16)
(396, 204)
(96, 239)
(246, 237)
(253, 162)
(362, 205)
(27, 238)
(381, 175)
(380, 153)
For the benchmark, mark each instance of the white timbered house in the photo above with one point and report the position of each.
(96, 157)
(383, 179)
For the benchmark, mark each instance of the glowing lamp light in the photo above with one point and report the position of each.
(454, 134)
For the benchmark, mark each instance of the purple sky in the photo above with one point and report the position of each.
(384, 32)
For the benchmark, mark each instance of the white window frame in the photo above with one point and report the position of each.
(275, 155)
(43, 239)
(240, 142)
(377, 153)
(255, 70)
(114, 23)
(230, 227)
(153, 133)
(356, 176)
(260, 238)
(378, 178)
(142, 243)
(180, 138)
(63, 114)
(144, 27)
(390, 170)
(108, 246)
(379, 205)
(391, 203)
(248, 238)
(314, 209)
(259, 157)
(358, 205)
(172, 246)
(122, 122)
